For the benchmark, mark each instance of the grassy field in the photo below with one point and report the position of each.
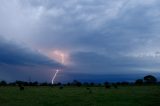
(79, 96)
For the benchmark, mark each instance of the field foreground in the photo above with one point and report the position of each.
(80, 96)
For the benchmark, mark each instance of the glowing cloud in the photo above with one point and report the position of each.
(60, 57)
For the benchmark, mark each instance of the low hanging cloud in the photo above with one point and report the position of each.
(13, 54)
(20, 62)
(86, 62)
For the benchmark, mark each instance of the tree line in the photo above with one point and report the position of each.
(147, 80)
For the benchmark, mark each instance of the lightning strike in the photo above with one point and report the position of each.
(54, 77)
(62, 60)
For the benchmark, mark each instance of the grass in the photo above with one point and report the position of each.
(79, 96)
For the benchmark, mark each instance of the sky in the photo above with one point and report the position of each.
(87, 40)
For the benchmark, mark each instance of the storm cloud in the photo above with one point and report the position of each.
(16, 55)
(16, 59)
(100, 37)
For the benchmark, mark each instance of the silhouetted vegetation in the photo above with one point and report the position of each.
(89, 90)
(21, 88)
(139, 82)
(107, 85)
(149, 79)
(3, 83)
(115, 85)
(76, 83)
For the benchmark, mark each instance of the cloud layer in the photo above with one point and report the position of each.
(101, 37)
(17, 60)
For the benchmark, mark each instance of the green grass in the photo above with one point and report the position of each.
(79, 96)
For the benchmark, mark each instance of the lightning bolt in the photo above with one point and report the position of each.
(56, 73)
(54, 77)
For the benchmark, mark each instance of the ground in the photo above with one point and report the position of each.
(80, 96)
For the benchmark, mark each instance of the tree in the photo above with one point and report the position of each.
(77, 83)
(44, 84)
(125, 83)
(115, 85)
(35, 83)
(59, 83)
(86, 84)
(68, 84)
(139, 81)
(3, 83)
(92, 84)
(149, 79)
(107, 85)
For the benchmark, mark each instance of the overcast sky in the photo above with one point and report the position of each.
(100, 39)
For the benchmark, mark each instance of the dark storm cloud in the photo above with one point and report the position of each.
(13, 54)
(95, 67)
(86, 62)
(18, 62)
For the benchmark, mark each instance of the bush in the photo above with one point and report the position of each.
(139, 82)
(149, 79)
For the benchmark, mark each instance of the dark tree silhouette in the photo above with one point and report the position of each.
(115, 85)
(3, 83)
(89, 90)
(68, 84)
(86, 84)
(35, 83)
(59, 84)
(99, 84)
(19, 82)
(107, 85)
(92, 84)
(77, 83)
(21, 88)
(125, 83)
(12, 84)
(149, 79)
(44, 84)
(139, 82)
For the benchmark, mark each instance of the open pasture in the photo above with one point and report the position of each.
(80, 96)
